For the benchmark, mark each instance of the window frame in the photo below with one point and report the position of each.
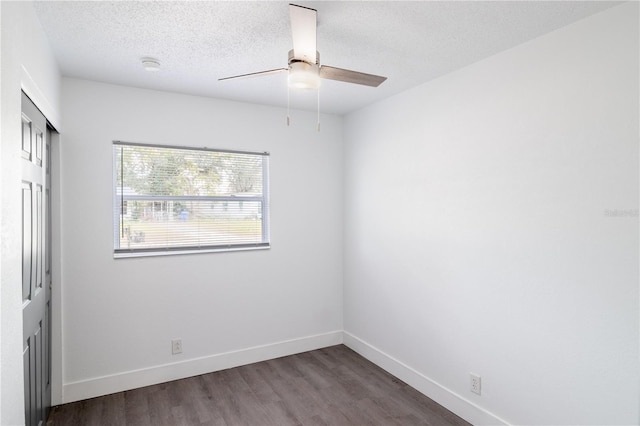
(119, 200)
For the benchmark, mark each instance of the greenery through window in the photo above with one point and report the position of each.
(179, 199)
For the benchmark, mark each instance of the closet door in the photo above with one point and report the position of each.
(36, 294)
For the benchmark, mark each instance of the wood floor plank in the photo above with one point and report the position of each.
(325, 387)
(136, 408)
(281, 414)
(260, 387)
(159, 404)
(113, 410)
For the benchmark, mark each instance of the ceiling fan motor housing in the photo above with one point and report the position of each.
(292, 59)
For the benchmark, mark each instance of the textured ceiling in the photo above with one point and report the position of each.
(199, 42)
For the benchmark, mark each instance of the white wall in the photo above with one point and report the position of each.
(478, 234)
(27, 63)
(120, 314)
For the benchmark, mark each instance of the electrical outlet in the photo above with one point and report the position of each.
(475, 383)
(176, 346)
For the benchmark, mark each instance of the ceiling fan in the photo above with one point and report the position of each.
(304, 67)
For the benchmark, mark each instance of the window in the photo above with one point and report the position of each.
(178, 199)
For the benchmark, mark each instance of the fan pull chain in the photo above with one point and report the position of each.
(288, 118)
(318, 109)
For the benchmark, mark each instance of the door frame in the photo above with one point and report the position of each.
(57, 366)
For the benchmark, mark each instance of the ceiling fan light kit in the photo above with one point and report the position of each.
(304, 67)
(304, 76)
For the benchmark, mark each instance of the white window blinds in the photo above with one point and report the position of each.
(178, 199)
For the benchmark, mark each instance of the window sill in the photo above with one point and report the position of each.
(125, 255)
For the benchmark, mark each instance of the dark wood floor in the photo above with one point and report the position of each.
(330, 386)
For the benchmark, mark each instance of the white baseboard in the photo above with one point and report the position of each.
(443, 396)
(105, 385)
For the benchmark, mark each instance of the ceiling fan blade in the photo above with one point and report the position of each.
(303, 32)
(348, 76)
(255, 74)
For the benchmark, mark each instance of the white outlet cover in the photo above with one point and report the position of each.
(176, 346)
(475, 384)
